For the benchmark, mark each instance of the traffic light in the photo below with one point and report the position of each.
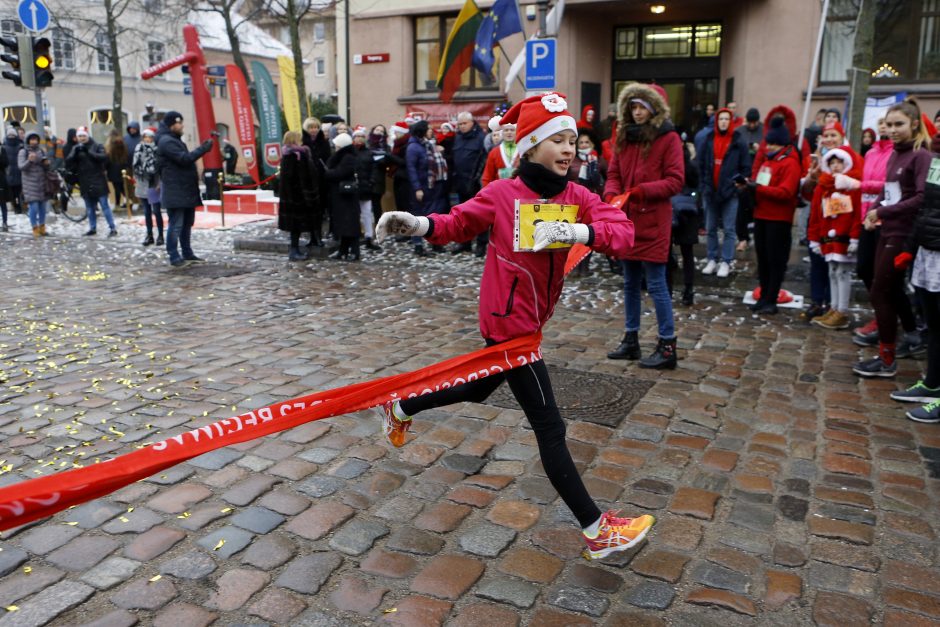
(42, 62)
(20, 57)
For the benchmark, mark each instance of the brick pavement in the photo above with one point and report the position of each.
(787, 491)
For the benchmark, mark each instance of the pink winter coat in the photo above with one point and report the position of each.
(518, 291)
(873, 176)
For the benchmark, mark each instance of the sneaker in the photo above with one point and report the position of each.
(616, 534)
(821, 321)
(394, 427)
(868, 329)
(179, 263)
(929, 413)
(90, 232)
(814, 311)
(724, 269)
(869, 339)
(875, 368)
(194, 259)
(710, 267)
(917, 393)
(911, 345)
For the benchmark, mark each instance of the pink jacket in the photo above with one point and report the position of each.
(518, 291)
(873, 176)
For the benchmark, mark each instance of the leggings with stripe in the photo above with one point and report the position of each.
(533, 390)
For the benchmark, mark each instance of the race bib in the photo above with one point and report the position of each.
(531, 212)
(763, 176)
(933, 174)
(836, 204)
(892, 193)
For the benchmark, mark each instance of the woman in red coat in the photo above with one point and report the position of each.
(648, 163)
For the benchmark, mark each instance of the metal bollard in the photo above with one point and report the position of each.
(222, 196)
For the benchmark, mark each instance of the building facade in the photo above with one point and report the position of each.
(82, 92)
(758, 53)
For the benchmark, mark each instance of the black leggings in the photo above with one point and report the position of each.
(772, 240)
(688, 266)
(533, 390)
(865, 267)
(931, 304)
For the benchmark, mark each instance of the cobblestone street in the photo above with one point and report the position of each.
(787, 491)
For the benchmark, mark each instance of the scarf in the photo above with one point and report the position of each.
(722, 141)
(437, 166)
(541, 180)
(299, 151)
(145, 160)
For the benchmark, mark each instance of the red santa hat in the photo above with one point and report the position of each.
(494, 124)
(447, 127)
(360, 130)
(539, 117)
(149, 131)
(82, 130)
(835, 126)
(398, 128)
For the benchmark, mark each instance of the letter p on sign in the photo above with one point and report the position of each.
(540, 64)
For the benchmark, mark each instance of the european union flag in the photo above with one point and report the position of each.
(501, 22)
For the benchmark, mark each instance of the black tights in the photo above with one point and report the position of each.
(3, 209)
(533, 390)
(295, 239)
(931, 304)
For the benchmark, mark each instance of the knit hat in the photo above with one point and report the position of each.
(11, 132)
(32, 134)
(342, 140)
(752, 115)
(777, 134)
(81, 130)
(834, 126)
(172, 117)
(420, 129)
(149, 132)
(398, 129)
(360, 130)
(539, 117)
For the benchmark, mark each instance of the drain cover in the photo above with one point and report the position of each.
(213, 271)
(599, 398)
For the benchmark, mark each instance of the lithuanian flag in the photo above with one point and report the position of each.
(458, 51)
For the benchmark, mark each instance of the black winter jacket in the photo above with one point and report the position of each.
(927, 226)
(88, 161)
(737, 160)
(176, 166)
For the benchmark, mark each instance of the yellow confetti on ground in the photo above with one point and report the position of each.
(390, 610)
(219, 545)
(12, 608)
(27, 569)
(226, 510)
(123, 519)
(70, 524)
(156, 578)
(184, 515)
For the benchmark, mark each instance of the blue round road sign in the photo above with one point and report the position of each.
(33, 14)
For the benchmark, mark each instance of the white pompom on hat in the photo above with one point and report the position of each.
(342, 140)
(399, 128)
(539, 117)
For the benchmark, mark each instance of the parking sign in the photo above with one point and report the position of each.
(540, 64)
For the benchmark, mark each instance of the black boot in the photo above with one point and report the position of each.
(160, 239)
(663, 358)
(688, 296)
(372, 245)
(295, 254)
(148, 241)
(629, 347)
(419, 251)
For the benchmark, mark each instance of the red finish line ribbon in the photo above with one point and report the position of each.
(38, 498)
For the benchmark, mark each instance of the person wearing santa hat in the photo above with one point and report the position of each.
(648, 164)
(147, 184)
(501, 160)
(519, 289)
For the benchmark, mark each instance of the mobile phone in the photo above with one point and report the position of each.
(739, 179)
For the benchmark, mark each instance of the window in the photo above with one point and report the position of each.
(63, 48)
(707, 40)
(906, 46)
(104, 52)
(319, 31)
(430, 36)
(11, 27)
(156, 52)
(625, 43)
(320, 66)
(667, 41)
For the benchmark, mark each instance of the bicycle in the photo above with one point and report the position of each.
(64, 203)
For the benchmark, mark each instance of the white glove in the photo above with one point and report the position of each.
(853, 247)
(551, 232)
(815, 248)
(846, 182)
(401, 223)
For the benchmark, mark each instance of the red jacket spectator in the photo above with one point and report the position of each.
(778, 180)
(834, 232)
(648, 162)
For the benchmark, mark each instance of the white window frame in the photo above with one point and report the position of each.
(102, 55)
(319, 66)
(63, 48)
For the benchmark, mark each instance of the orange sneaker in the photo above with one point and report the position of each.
(394, 427)
(617, 534)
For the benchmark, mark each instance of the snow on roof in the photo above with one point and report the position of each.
(253, 40)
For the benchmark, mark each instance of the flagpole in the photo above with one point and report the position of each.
(506, 56)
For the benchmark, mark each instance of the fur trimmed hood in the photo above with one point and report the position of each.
(652, 94)
(655, 96)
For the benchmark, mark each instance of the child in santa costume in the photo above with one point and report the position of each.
(834, 227)
(519, 289)
(501, 160)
